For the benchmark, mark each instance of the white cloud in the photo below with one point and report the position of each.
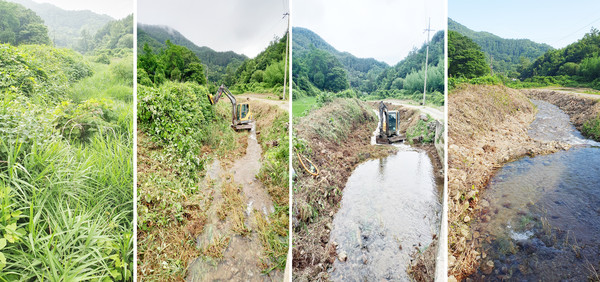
(386, 30)
(242, 26)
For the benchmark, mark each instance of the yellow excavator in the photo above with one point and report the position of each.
(388, 126)
(241, 115)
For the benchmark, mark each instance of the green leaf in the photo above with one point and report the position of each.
(2, 243)
(2, 261)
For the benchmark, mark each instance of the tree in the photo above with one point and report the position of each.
(19, 25)
(465, 58)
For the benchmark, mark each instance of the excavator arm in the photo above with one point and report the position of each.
(382, 118)
(238, 123)
(215, 99)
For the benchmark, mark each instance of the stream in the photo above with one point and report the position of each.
(389, 209)
(242, 258)
(540, 217)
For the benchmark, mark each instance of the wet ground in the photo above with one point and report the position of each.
(389, 209)
(540, 217)
(241, 260)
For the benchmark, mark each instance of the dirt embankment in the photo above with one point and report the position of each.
(487, 128)
(336, 138)
(580, 108)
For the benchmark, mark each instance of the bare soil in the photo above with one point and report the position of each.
(487, 128)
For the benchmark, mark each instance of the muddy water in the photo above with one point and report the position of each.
(241, 260)
(390, 207)
(541, 216)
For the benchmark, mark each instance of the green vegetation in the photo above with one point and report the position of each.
(113, 38)
(465, 59)
(66, 28)
(422, 131)
(579, 61)
(20, 25)
(507, 56)
(591, 128)
(576, 65)
(303, 105)
(175, 63)
(65, 159)
(216, 64)
(262, 74)
(323, 72)
(181, 133)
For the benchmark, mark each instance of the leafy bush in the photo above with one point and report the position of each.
(81, 121)
(591, 128)
(177, 114)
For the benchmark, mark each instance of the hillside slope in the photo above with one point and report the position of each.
(507, 54)
(66, 27)
(216, 62)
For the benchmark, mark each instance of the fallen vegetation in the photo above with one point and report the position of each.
(487, 128)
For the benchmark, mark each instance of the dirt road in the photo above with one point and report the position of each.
(270, 99)
(435, 112)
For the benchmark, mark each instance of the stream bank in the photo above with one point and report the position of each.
(487, 128)
(539, 217)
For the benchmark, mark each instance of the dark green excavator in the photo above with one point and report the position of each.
(388, 126)
(241, 115)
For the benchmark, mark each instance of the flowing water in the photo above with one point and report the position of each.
(540, 217)
(241, 260)
(390, 208)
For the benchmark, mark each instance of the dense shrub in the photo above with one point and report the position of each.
(176, 115)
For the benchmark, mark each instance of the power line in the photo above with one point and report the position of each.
(563, 38)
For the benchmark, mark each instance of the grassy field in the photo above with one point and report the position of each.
(66, 167)
(300, 106)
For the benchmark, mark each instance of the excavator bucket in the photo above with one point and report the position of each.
(211, 99)
(240, 127)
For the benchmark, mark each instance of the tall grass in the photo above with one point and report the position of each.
(66, 204)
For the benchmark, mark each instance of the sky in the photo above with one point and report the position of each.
(386, 30)
(117, 9)
(243, 26)
(554, 22)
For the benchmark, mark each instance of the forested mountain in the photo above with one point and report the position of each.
(409, 67)
(66, 27)
(309, 45)
(216, 62)
(318, 67)
(580, 59)
(114, 35)
(19, 25)
(266, 70)
(509, 55)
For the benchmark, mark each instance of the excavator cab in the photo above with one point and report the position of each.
(241, 116)
(244, 114)
(388, 126)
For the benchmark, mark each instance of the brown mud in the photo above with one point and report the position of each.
(487, 128)
(242, 258)
(233, 219)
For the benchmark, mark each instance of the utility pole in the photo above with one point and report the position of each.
(492, 65)
(287, 44)
(426, 60)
